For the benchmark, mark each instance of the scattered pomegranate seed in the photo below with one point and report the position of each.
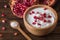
(41, 18)
(45, 8)
(15, 33)
(5, 6)
(28, 2)
(49, 16)
(3, 21)
(45, 20)
(33, 12)
(1, 35)
(49, 21)
(39, 24)
(3, 15)
(3, 28)
(37, 12)
(46, 2)
(44, 15)
(30, 13)
(35, 17)
(41, 14)
(35, 20)
(34, 23)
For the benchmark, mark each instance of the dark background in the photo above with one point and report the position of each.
(8, 33)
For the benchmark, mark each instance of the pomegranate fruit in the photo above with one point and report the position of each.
(18, 7)
(47, 2)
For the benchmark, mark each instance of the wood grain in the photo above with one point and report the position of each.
(8, 33)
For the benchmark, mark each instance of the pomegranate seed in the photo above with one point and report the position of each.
(45, 2)
(3, 15)
(49, 21)
(39, 24)
(15, 33)
(1, 35)
(3, 21)
(49, 16)
(41, 14)
(30, 13)
(45, 20)
(5, 6)
(33, 12)
(34, 23)
(41, 18)
(45, 8)
(35, 17)
(3, 28)
(44, 15)
(35, 20)
(37, 12)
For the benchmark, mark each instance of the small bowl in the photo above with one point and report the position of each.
(39, 31)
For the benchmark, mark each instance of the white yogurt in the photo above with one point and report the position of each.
(14, 24)
(30, 17)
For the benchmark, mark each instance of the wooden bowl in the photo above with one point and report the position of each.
(39, 31)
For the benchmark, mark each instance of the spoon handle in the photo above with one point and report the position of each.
(24, 34)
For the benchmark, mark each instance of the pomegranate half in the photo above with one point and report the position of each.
(47, 2)
(18, 7)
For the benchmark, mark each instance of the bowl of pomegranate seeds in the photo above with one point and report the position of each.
(47, 2)
(18, 7)
(40, 19)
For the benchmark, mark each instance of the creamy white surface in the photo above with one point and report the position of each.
(30, 18)
(14, 24)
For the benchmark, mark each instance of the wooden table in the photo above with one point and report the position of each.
(8, 34)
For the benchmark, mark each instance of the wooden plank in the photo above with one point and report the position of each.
(8, 34)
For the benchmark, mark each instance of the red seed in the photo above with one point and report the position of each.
(33, 12)
(3, 15)
(49, 16)
(41, 14)
(45, 20)
(15, 33)
(3, 28)
(35, 17)
(46, 2)
(37, 12)
(5, 6)
(3, 21)
(1, 35)
(41, 18)
(44, 15)
(30, 13)
(34, 23)
(35, 20)
(39, 24)
(49, 21)
(45, 8)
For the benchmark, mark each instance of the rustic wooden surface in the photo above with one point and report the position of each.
(8, 33)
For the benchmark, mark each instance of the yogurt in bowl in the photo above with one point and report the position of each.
(40, 19)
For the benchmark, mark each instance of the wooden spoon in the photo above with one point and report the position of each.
(15, 25)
